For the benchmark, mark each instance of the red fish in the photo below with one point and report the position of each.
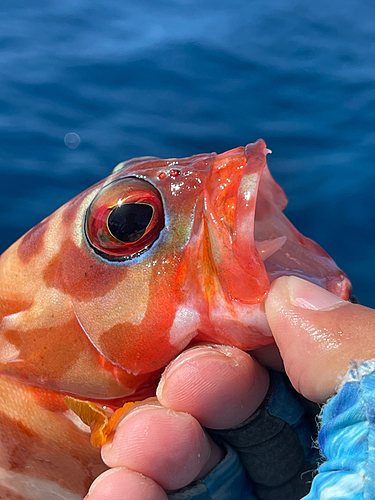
(100, 296)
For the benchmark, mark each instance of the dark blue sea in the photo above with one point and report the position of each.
(175, 78)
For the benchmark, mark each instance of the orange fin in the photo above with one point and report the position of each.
(96, 418)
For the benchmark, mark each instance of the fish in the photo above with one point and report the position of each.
(101, 295)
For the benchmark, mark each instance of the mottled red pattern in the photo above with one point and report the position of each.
(6, 494)
(145, 347)
(79, 274)
(10, 306)
(48, 355)
(32, 243)
(50, 400)
(47, 352)
(134, 351)
(25, 452)
(17, 444)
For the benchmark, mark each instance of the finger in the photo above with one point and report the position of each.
(269, 356)
(317, 334)
(220, 386)
(124, 484)
(169, 447)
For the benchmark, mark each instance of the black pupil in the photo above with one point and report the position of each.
(128, 222)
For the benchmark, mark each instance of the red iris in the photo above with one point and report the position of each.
(124, 218)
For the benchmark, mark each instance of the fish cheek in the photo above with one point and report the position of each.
(135, 348)
(80, 275)
(144, 346)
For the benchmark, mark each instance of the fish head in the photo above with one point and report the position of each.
(100, 296)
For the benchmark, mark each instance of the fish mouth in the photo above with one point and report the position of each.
(284, 250)
(252, 241)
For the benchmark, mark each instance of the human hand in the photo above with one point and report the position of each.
(162, 446)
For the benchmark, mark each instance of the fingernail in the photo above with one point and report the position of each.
(91, 494)
(189, 356)
(309, 296)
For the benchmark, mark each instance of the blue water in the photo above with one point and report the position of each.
(175, 78)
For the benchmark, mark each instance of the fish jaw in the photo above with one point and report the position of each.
(240, 243)
(244, 215)
(229, 213)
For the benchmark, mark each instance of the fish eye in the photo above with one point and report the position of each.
(128, 222)
(124, 218)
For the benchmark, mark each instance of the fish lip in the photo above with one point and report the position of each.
(298, 255)
(230, 195)
(243, 210)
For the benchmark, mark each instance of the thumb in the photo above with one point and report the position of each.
(317, 334)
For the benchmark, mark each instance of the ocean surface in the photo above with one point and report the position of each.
(85, 84)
